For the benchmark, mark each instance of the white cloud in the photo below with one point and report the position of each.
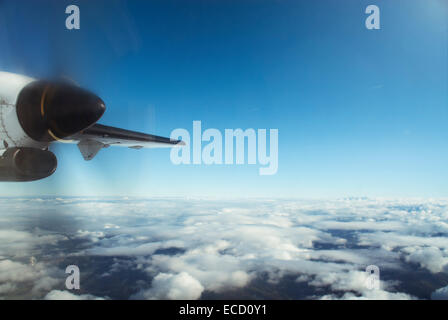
(179, 286)
(431, 258)
(65, 295)
(440, 294)
(16, 272)
(20, 243)
(40, 275)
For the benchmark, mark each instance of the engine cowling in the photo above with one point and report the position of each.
(49, 111)
(26, 164)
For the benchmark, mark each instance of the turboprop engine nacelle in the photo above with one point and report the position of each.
(49, 111)
(34, 113)
(26, 164)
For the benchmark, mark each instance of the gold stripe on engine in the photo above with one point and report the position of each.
(57, 138)
(42, 100)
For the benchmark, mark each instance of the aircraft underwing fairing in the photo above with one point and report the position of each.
(36, 113)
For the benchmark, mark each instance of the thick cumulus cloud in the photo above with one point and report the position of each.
(38, 277)
(431, 258)
(191, 249)
(174, 287)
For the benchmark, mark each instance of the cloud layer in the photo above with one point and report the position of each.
(195, 248)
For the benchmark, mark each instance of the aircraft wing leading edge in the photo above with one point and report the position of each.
(92, 140)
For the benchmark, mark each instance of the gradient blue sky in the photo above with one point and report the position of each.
(359, 112)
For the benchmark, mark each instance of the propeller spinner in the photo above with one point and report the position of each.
(49, 111)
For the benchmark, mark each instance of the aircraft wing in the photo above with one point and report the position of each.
(92, 140)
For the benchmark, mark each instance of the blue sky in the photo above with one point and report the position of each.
(359, 112)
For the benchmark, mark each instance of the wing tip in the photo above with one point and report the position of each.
(179, 143)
